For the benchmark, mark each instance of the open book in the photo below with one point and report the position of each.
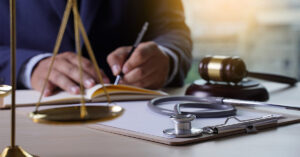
(94, 94)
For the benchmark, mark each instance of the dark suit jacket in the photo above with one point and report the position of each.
(109, 24)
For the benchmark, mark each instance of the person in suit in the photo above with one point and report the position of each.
(162, 59)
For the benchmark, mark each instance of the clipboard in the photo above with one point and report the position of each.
(259, 123)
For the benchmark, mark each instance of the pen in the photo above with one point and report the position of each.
(137, 42)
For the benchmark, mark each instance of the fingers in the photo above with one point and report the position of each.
(63, 82)
(139, 73)
(49, 89)
(117, 58)
(73, 72)
(142, 54)
(148, 67)
(65, 74)
(90, 77)
(38, 84)
(147, 83)
(145, 76)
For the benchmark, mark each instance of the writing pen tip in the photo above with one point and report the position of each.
(117, 80)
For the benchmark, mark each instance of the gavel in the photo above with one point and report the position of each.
(233, 69)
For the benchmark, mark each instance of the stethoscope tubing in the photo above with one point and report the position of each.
(215, 106)
(209, 109)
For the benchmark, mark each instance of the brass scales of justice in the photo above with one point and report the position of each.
(60, 115)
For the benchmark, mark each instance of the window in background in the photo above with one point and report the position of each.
(264, 33)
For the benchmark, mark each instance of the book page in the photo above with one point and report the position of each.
(31, 97)
(97, 91)
(95, 94)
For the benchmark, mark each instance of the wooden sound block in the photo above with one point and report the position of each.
(245, 90)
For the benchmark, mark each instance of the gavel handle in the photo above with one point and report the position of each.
(274, 78)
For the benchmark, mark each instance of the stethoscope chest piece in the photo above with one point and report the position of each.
(183, 126)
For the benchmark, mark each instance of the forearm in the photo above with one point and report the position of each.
(22, 57)
(170, 31)
(180, 55)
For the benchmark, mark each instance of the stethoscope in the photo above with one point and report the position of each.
(202, 108)
(207, 107)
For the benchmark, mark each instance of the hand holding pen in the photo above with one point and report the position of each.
(138, 65)
(137, 42)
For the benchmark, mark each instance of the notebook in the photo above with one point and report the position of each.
(94, 94)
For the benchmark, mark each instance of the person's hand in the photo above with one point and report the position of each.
(65, 74)
(147, 67)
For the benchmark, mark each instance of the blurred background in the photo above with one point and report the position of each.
(264, 33)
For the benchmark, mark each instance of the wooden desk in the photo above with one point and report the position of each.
(78, 140)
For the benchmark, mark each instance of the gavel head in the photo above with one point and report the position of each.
(222, 68)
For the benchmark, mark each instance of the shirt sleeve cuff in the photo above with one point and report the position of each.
(29, 66)
(174, 70)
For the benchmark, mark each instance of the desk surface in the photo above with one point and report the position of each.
(78, 140)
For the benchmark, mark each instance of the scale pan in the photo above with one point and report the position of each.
(71, 114)
(4, 90)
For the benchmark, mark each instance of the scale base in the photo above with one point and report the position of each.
(15, 152)
(245, 90)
